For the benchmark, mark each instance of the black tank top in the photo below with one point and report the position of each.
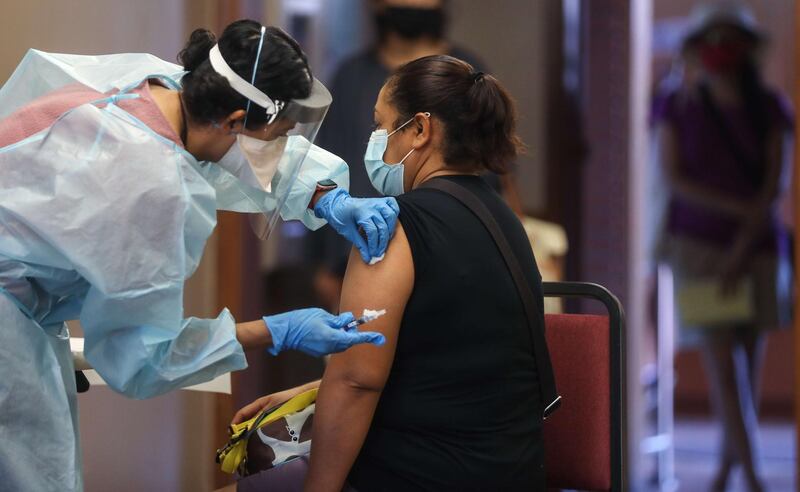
(461, 408)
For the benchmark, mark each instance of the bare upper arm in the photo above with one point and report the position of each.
(385, 285)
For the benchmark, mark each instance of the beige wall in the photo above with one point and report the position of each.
(90, 27)
(510, 38)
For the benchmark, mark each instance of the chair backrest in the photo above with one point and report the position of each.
(583, 439)
(578, 436)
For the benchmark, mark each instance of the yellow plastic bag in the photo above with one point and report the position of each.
(232, 457)
(702, 304)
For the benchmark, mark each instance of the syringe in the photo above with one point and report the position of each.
(367, 316)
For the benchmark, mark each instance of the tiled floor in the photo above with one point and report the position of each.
(696, 443)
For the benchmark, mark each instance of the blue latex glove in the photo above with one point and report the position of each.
(316, 332)
(377, 217)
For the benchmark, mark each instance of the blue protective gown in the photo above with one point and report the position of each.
(101, 220)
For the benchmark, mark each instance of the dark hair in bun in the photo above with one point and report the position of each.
(282, 73)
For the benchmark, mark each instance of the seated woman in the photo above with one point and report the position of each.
(451, 401)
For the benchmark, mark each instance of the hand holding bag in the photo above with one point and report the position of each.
(271, 438)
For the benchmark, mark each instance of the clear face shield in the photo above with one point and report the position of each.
(257, 174)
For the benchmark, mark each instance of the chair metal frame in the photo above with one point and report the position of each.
(616, 324)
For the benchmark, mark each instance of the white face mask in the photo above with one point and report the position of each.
(263, 157)
(386, 178)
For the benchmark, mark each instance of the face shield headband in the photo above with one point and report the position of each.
(246, 89)
(311, 109)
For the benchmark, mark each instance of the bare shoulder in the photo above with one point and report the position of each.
(395, 273)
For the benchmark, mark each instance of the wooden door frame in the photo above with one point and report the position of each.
(230, 267)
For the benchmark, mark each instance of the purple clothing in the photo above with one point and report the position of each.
(707, 159)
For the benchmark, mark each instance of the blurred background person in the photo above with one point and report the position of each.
(721, 139)
(404, 31)
(327, 282)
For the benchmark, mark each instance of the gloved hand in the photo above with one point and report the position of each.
(376, 216)
(316, 332)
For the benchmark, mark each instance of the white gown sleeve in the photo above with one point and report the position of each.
(319, 165)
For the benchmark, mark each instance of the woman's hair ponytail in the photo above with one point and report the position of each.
(476, 111)
(491, 121)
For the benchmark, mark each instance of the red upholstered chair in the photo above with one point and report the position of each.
(583, 438)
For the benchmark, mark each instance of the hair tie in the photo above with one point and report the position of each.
(477, 77)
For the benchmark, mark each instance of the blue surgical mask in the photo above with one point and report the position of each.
(386, 178)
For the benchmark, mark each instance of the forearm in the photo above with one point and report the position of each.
(670, 163)
(253, 334)
(342, 419)
(753, 228)
(309, 386)
(759, 217)
(709, 199)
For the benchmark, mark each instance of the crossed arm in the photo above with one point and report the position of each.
(741, 208)
(753, 213)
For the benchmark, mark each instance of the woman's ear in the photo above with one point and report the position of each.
(422, 128)
(234, 122)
